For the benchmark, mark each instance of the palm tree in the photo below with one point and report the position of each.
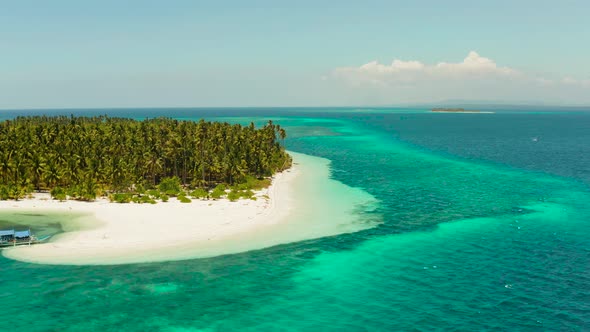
(83, 153)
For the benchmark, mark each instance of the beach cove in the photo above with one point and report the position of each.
(302, 203)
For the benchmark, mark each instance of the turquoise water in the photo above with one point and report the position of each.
(484, 228)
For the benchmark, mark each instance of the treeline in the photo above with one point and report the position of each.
(89, 156)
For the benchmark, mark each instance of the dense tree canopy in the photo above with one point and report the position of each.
(89, 155)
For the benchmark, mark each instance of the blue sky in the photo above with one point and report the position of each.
(297, 53)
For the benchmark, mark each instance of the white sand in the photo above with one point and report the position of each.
(113, 233)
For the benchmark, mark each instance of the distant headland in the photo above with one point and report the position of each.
(456, 110)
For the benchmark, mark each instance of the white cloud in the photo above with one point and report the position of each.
(473, 66)
(569, 80)
(474, 78)
(395, 67)
(572, 81)
(542, 81)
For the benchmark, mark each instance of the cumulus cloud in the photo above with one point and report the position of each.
(573, 81)
(474, 78)
(473, 66)
(542, 81)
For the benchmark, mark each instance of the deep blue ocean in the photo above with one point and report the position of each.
(485, 227)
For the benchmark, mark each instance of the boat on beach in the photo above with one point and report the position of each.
(13, 238)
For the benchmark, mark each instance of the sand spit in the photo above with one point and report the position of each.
(302, 203)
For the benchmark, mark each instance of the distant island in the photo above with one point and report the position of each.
(127, 160)
(454, 110)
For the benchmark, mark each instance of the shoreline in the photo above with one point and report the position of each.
(115, 233)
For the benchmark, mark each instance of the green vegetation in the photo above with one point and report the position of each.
(235, 194)
(154, 193)
(59, 193)
(199, 193)
(143, 199)
(121, 197)
(218, 192)
(252, 183)
(170, 186)
(183, 199)
(13, 192)
(136, 161)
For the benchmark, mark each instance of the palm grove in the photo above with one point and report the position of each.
(85, 157)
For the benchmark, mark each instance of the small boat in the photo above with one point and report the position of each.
(12, 238)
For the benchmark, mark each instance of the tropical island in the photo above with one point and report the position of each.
(456, 110)
(126, 160)
(214, 189)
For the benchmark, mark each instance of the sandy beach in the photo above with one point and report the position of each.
(112, 233)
